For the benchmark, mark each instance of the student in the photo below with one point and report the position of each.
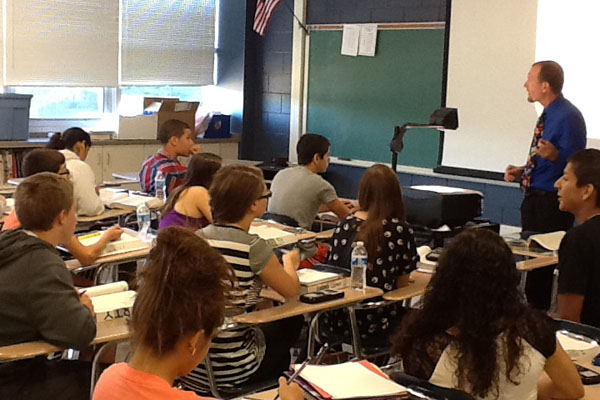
(380, 224)
(178, 141)
(47, 160)
(579, 252)
(299, 192)
(476, 333)
(188, 205)
(179, 306)
(239, 195)
(37, 297)
(75, 144)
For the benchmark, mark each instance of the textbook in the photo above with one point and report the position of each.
(312, 280)
(548, 241)
(349, 380)
(120, 198)
(111, 301)
(129, 241)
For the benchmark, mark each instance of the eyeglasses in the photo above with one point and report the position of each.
(266, 195)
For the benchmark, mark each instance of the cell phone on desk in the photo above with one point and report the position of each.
(588, 377)
(321, 296)
(434, 255)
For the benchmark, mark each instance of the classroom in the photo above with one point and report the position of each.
(304, 246)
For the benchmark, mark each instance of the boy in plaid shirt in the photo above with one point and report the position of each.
(178, 140)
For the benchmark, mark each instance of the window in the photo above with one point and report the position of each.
(64, 102)
(106, 43)
(184, 93)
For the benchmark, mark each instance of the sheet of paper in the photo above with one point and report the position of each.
(367, 40)
(113, 301)
(268, 232)
(441, 189)
(350, 38)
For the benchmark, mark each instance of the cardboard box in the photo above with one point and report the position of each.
(147, 126)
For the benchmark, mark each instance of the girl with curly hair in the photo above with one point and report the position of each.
(476, 333)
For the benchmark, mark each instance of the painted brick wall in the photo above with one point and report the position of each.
(267, 95)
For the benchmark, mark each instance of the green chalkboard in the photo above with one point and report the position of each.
(356, 101)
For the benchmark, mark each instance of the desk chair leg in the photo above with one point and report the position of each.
(554, 301)
(523, 281)
(95, 362)
(355, 334)
(312, 334)
(211, 377)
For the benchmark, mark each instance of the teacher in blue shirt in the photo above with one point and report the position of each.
(559, 132)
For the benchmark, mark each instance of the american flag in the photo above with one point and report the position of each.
(263, 14)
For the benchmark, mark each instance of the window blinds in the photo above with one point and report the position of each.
(168, 42)
(62, 42)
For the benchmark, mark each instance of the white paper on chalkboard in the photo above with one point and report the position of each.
(350, 37)
(367, 40)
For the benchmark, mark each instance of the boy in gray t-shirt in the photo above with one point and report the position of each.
(299, 192)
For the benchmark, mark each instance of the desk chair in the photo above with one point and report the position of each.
(239, 390)
(378, 354)
(423, 389)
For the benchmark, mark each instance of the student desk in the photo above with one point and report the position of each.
(538, 262)
(75, 265)
(107, 331)
(294, 307)
(592, 392)
(416, 287)
(109, 213)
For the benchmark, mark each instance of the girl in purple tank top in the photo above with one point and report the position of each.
(189, 204)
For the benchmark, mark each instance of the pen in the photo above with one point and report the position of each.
(318, 359)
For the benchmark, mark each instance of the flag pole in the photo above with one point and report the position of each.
(299, 22)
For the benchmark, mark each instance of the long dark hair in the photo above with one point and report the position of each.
(380, 195)
(200, 172)
(182, 290)
(474, 294)
(69, 138)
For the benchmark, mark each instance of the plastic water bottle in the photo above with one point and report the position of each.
(143, 220)
(159, 186)
(358, 266)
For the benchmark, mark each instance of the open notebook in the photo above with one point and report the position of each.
(577, 346)
(355, 379)
(129, 241)
(276, 237)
